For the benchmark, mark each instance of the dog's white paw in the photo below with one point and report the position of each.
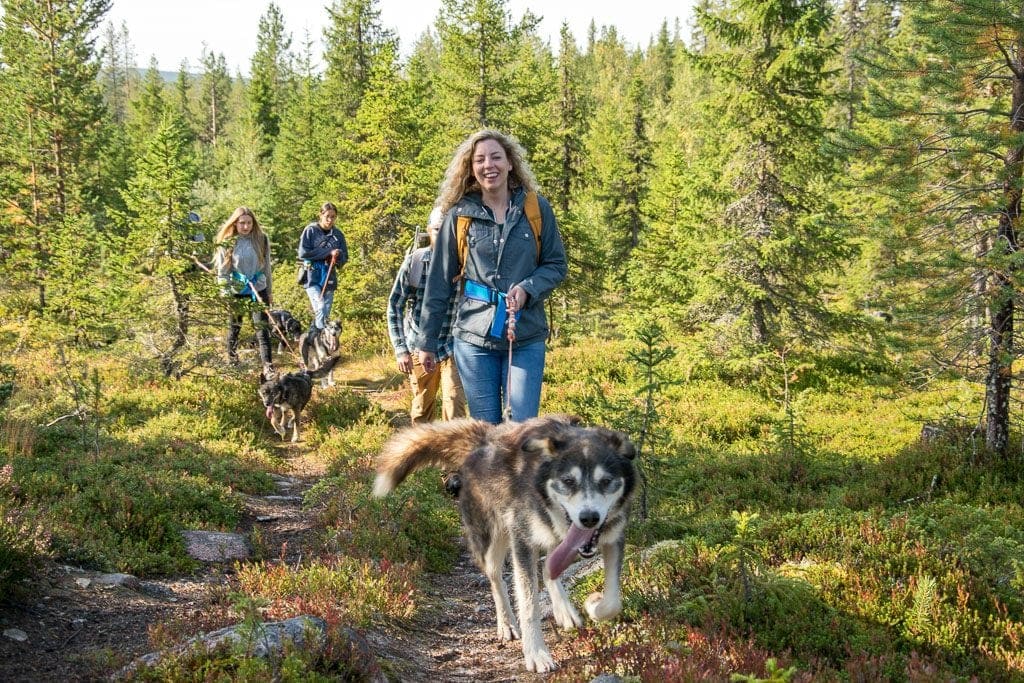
(539, 660)
(566, 616)
(507, 632)
(601, 609)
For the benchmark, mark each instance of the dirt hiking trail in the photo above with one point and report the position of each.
(72, 627)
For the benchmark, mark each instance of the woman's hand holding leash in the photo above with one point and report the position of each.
(514, 301)
(332, 260)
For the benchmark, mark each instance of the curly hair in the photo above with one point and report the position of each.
(459, 179)
(228, 231)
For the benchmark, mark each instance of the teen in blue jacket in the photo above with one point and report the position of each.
(323, 251)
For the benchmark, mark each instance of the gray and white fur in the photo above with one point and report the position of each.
(285, 396)
(316, 346)
(545, 486)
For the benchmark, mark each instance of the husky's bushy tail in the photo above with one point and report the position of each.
(444, 444)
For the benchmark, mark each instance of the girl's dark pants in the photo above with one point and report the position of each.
(260, 322)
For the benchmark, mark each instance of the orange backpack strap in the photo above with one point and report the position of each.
(532, 210)
(462, 243)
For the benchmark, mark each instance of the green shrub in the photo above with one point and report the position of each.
(21, 541)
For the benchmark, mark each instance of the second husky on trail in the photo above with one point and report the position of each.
(316, 346)
(547, 485)
(284, 397)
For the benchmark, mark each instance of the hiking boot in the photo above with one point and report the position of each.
(268, 370)
(233, 360)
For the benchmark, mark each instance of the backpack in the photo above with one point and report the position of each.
(532, 210)
(417, 262)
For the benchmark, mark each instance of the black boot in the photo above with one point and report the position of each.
(232, 344)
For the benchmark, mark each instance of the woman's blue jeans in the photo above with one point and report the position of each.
(485, 375)
(321, 305)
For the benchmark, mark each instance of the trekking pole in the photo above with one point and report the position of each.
(327, 278)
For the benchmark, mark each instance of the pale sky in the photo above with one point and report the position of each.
(176, 30)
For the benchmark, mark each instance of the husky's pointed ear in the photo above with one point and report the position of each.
(619, 441)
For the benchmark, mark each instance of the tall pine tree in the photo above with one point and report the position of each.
(157, 254)
(271, 77)
(951, 95)
(53, 115)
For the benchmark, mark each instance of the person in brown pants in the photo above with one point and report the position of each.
(404, 306)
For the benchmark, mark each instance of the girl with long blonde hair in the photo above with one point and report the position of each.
(242, 264)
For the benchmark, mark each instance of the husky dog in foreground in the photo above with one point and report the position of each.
(286, 395)
(316, 346)
(545, 486)
(284, 324)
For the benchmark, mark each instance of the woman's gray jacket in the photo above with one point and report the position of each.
(498, 257)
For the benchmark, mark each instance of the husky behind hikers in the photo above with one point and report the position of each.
(285, 324)
(545, 486)
(284, 396)
(316, 346)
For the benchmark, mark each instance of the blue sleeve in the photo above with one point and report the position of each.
(307, 245)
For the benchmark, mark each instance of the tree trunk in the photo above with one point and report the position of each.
(181, 309)
(1001, 353)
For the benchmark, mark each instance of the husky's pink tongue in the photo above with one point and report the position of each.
(562, 556)
(270, 412)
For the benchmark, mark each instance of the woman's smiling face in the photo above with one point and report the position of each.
(490, 165)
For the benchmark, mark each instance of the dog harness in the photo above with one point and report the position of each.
(479, 292)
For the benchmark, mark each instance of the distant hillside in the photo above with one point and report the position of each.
(168, 76)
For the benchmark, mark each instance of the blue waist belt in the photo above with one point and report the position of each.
(478, 292)
(248, 290)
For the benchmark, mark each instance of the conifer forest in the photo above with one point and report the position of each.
(792, 230)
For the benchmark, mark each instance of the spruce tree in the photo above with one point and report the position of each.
(949, 96)
(379, 195)
(354, 40)
(763, 247)
(423, 73)
(53, 115)
(305, 139)
(618, 148)
(270, 77)
(157, 256)
(479, 87)
(147, 108)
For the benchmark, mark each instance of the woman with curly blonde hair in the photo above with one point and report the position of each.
(242, 265)
(502, 283)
